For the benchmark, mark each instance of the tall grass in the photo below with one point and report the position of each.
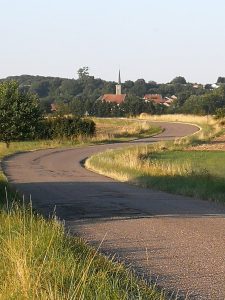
(194, 119)
(169, 166)
(40, 261)
(163, 167)
(122, 129)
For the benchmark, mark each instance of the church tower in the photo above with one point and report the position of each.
(118, 86)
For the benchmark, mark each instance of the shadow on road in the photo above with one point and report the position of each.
(106, 200)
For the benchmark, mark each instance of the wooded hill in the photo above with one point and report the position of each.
(79, 96)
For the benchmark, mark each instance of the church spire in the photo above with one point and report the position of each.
(119, 80)
(118, 86)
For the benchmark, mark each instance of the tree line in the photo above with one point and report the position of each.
(79, 96)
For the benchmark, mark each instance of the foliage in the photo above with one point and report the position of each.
(79, 96)
(221, 80)
(205, 104)
(19, 113)
(220, 113)
(179, 80)
(66, 127)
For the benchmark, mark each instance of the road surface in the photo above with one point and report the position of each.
(177, 239)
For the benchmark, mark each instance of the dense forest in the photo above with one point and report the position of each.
(80, 96)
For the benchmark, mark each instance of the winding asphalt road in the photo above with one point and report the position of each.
(177, 239)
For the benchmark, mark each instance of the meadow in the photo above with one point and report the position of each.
(170, 166)
(39, 260)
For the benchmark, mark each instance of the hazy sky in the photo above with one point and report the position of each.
(155, 40)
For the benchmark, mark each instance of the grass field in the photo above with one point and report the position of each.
(170, 166)
(40, 261)
(192, 173)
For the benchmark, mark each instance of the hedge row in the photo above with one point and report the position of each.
(65, 127)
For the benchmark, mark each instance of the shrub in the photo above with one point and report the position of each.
(19, 113)
(220, 113)
(66, 127)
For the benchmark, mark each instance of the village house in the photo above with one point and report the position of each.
(158, 99)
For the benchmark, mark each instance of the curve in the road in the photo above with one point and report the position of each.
(178, 239)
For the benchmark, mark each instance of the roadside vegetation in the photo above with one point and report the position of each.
(80, 96)
(39, 260)
(123, 129)
(170, 166)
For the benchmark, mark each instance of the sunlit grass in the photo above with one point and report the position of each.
(194, 119)
(122, 129)
(199, 174)
(40, 261)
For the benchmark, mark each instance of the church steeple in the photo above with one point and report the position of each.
(119, 80)
(118, 86)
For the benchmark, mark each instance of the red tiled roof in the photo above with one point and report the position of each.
(157, 98)
(114, 98)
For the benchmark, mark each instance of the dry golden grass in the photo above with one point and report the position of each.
(39, 261)
(194, 119)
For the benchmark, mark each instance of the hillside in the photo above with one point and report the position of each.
(79, 96)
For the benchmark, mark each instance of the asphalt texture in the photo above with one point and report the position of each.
(175, 239)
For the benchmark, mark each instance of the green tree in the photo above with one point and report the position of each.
(19, 113)
(179, 79)
(41, 88)
(83, 73)
(221, 80)
(139, 89)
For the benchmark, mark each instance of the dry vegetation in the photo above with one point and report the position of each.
(200, 120)
(122, 129)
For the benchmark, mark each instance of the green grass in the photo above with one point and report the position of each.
(162, 167)
(40, 261)
(192, 173)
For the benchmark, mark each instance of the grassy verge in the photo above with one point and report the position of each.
(169, 166)
(163, 167)
(40, 261)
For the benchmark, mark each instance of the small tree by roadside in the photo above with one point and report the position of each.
(19, 113)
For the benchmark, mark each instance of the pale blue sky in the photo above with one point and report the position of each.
(154, 40)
